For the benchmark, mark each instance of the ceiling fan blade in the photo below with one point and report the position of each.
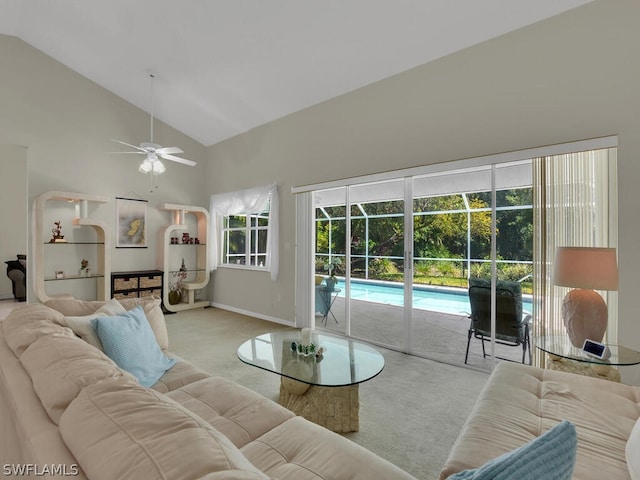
(129, 145)
(135, 153)
(168, 150)
(184, 161)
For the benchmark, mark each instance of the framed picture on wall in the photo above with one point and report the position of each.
(131, 223)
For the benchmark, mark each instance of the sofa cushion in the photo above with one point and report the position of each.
(27, 434)
(129, 341)
(233, 475)
(632, 452)
(153, 311)
(82, 327)
(242, 415)
(151, 305)
(25, 324)
(551, 456)
(181, 374)
(116, 429)
(61, 366)
(520, 402)
(300, 449)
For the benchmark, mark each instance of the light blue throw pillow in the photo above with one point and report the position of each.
(551, 456)
(129, 341)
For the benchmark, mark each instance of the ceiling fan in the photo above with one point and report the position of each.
(155, 152)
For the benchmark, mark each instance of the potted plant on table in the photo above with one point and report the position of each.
(330, 266)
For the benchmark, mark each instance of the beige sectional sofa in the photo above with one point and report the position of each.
(520, 402)
(66, 408)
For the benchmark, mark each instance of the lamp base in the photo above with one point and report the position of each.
(584, 314)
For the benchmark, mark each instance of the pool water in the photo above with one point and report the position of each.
(444, 300)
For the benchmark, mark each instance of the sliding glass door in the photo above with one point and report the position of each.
(410, 253)
(331, 259)
(451, 239)
(411, 292)
(378, 258)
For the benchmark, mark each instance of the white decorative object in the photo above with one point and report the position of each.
(584, 314)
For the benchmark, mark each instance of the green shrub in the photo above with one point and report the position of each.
(514, 271)
(382, 266)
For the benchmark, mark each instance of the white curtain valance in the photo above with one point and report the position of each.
(242, 202)
(247, 202)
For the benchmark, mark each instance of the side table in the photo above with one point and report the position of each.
(580, 368)
(325, 297)
(564, 356)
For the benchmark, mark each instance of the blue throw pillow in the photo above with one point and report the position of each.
(129, 341)
(551, 456)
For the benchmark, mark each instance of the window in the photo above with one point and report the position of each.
(245, 229)
(244, 239)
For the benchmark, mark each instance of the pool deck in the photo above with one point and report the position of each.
(437, 336)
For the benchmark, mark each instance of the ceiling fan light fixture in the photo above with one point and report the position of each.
(146, 166)
(158, 167)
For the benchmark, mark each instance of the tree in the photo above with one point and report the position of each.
(440, 227)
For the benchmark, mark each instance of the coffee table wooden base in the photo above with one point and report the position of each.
(335, 408)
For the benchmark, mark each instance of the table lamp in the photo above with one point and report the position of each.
(584, 312)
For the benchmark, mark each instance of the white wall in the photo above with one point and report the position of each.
(13, 213)
(67, 122)
(572, 77)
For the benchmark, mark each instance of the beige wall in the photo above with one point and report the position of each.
(67, 122)
(572, 77)
(13, 213)
(568, 78)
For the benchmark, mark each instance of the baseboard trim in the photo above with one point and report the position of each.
(252, 314)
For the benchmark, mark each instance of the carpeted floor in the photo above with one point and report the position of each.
(7, 305)
(410, 414)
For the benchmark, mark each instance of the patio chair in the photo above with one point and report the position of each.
(512, 327)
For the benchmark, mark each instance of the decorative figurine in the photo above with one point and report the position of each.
(84, 268)
(57, 233)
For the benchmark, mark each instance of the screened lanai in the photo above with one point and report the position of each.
(380, 268)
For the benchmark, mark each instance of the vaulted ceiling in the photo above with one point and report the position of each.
(223, 67)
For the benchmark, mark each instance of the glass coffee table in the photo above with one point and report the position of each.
(563, 355)
(321, 388)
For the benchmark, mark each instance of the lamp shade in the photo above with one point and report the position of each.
(591, 268)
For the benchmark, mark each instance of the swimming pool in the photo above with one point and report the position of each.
(454, 301)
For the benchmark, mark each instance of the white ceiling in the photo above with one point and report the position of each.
(224, 67)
